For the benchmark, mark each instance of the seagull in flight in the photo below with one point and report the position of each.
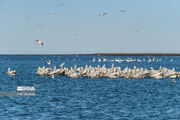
(27, 17)
(60, 4)
(50, 14)
(39, 42)
(122, 11)
(103, 14)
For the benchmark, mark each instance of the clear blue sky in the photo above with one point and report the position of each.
(146, 26)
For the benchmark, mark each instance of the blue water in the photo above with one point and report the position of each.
(84, 98)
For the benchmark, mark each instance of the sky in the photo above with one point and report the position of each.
(75, 27)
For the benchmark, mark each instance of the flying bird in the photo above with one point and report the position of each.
(122, 11)
(50, 14)
(60, 4)
(39, 42)
(103, 14)
(27, 17)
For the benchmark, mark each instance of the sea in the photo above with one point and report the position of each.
(63, 98)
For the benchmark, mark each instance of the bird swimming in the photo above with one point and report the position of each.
(39, 42)
(9, 72)
(49, 62)
(112, 72)
(61, 64)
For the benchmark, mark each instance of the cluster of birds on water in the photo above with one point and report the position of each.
(112, 72)
(127, 60)
(96, 72)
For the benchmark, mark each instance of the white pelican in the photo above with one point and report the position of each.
(9, 72)
(39, 42)
(39, 70)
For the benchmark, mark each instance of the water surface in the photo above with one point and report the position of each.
(85, 98)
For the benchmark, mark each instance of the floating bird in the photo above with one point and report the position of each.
(52, 76)
(49, 62)
(61, 64)
(103, 14)
(39, 42)
(174, 80)
(112, 72)
(9, 72)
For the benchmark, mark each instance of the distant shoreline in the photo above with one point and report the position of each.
(99, 54)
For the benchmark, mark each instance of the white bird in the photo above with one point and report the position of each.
(94, 60)
(39, 42)
(49, 62)
(61, 64)
(52, 76)
(9, 72)
(50, 14)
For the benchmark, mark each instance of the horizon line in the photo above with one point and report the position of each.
(105, 54)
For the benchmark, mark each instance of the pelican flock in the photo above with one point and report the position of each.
(112, 72)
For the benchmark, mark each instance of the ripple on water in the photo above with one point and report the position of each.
(84, 98)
